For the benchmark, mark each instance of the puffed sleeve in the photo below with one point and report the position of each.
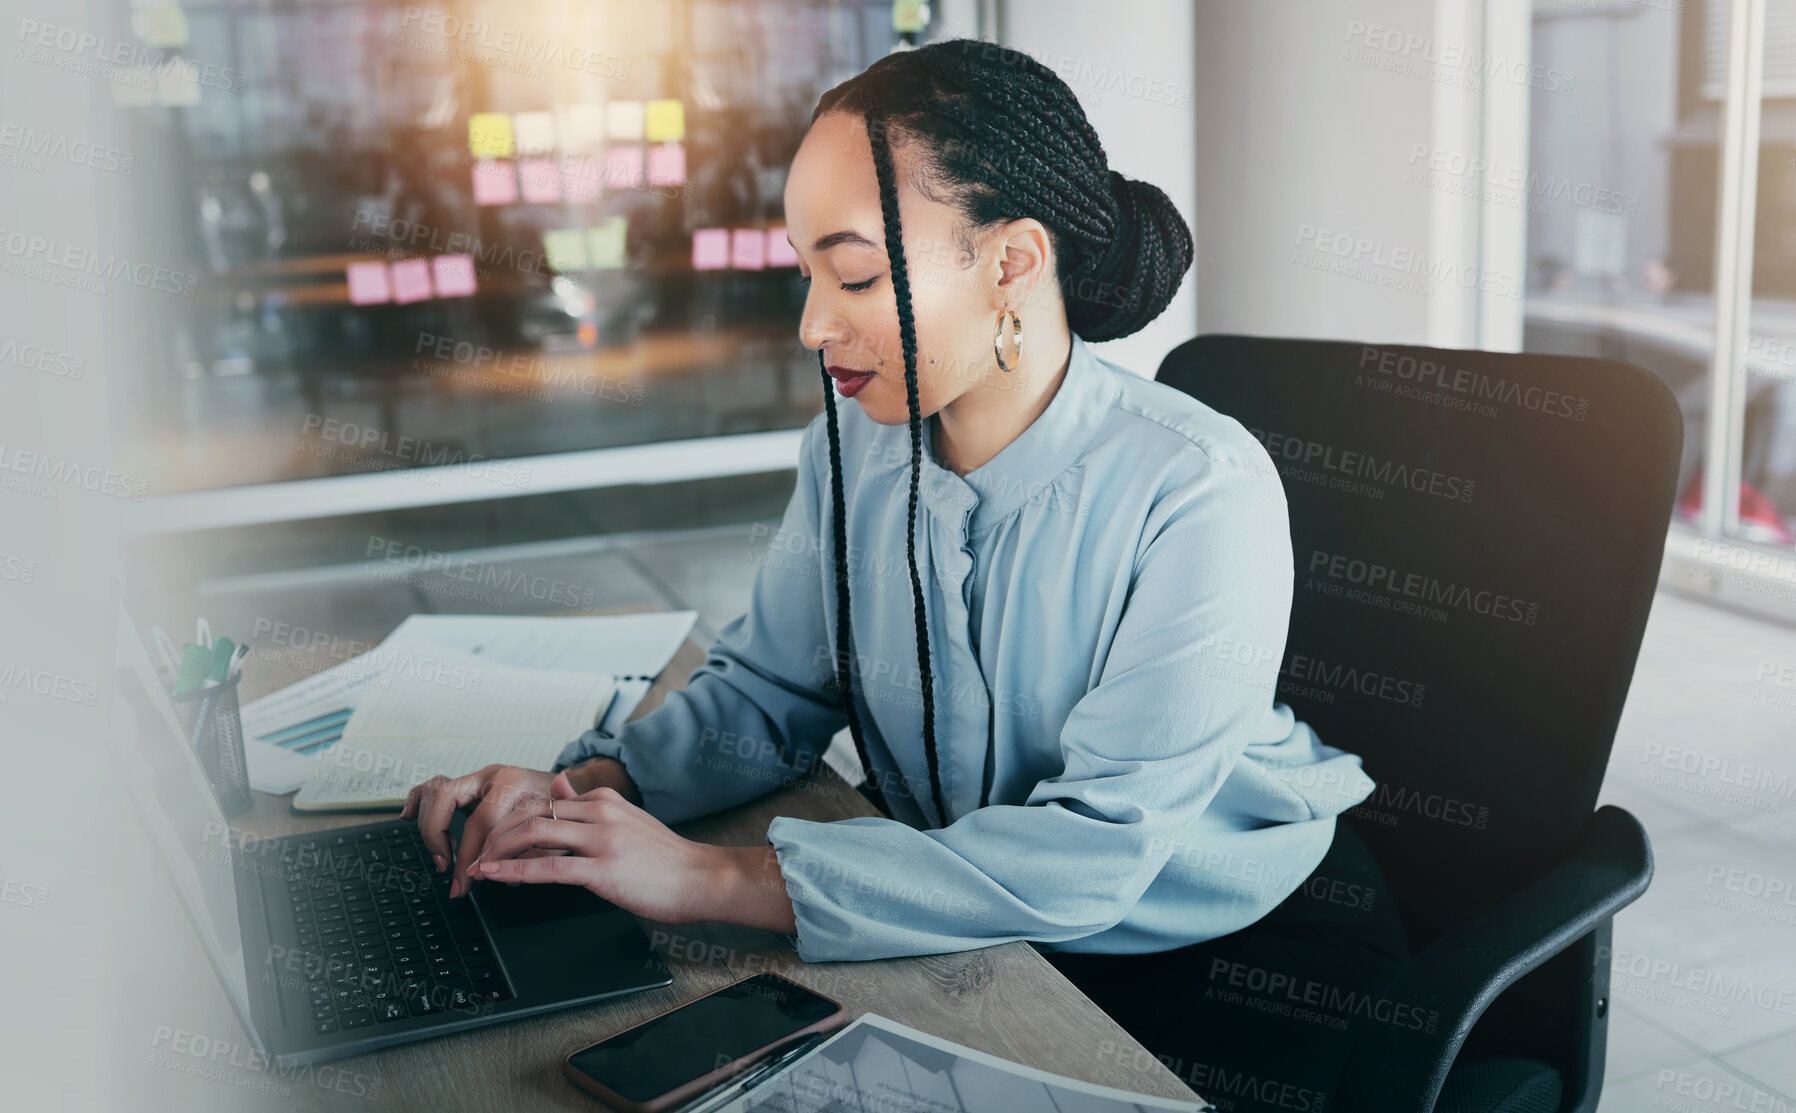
(752, 716)
(1146, 749)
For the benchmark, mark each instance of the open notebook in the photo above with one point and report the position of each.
(436, 711)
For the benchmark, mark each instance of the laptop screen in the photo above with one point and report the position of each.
(178, 809)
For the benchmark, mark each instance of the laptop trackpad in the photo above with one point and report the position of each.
(564, 941)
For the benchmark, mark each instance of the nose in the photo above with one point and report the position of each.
(818, 327)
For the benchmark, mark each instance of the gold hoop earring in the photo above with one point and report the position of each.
(1016, 340)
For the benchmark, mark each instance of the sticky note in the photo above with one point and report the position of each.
(411, 280)
(623, 119)
(779, 252)
(453, 275)
(489, 135)
(623, 167)
(565, 249)
(664, 120)
(582, 126)
(174, 89)
(163, 26)
(605, 243)
(493, 182)
(534, 132)
(541, 180)
(909, 16)
(368, 284)
(710, 249)
(748, 249)
(667, 164)
(582, 177)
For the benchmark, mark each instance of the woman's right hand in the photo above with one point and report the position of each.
(500, 789)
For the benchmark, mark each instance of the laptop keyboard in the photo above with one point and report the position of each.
(382, 940)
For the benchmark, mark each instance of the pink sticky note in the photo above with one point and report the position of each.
(710, 249)
(453, 275)
(623, 167)
(368, 284)
(748, 249)
(582, 178)
(541, 180)
(779, 252)
(493, 183)
(411, 280)
(667, 164)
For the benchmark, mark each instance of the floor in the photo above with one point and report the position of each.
(1704, 757)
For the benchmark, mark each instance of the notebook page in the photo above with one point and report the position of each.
(444, 694)
(385, 770)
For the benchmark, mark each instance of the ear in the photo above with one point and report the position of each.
(1023, 260)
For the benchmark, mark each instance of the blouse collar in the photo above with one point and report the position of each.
(1030, 464)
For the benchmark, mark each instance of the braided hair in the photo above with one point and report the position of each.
(998, 136)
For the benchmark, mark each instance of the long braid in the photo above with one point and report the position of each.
(998, 136)
(907, 336)
(845, 619)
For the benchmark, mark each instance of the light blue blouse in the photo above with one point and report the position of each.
(1107, 600)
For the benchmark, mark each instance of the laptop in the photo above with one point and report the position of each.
(343, 941)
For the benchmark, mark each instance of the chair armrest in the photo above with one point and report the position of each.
(1401, 1070)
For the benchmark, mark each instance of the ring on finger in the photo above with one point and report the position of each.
(552, 814)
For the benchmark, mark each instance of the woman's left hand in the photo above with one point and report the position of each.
(613, 848)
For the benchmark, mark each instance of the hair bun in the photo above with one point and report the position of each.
(1140, 270)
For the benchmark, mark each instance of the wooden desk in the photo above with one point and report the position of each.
(1006, 1000)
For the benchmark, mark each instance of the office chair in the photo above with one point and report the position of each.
(1480, 532)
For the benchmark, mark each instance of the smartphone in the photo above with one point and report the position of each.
(670, 1059)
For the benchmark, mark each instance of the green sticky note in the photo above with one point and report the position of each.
(605, 243)
(565, 249)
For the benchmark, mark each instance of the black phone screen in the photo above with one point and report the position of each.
(697, 1038)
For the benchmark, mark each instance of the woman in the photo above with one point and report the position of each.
(1064, 691)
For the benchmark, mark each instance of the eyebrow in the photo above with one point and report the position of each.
(837, 239)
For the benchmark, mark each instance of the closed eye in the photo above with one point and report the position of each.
(856, 287)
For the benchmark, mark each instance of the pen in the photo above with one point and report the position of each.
(782, 1057)
(202, 632)
(171, 657)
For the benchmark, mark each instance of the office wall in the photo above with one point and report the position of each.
(1133, 71)
(1304, 134)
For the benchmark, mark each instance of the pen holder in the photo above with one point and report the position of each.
(215, 727)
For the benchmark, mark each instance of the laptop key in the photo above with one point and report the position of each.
(388, 1011)
(360, 1019)
(325, 1027)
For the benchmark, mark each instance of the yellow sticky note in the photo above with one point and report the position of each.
(565, 249)
(489, 135)
(605, 243)
(664, 120)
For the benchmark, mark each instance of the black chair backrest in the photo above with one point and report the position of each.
(1477, 539)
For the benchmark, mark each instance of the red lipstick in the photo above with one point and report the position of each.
(849, 381)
